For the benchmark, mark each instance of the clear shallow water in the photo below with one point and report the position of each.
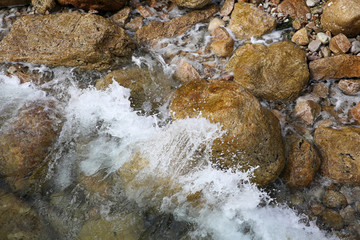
(101, 133)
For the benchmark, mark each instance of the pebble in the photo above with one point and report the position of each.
(323, 37)
(314, 45)
(355, 47)
(215, 23)
(326, 51)
(312, 3)
(308, 15)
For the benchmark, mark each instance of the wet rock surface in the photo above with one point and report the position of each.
(103, 5)
(192, 3)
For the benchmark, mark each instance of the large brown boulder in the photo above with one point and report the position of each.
(192, 3)
(67, 39)
(5, 3)
(155, 31)
(340, 66)
(253, 137)
(249, 21)
(340, 153)
(303, 161)
(342, 16)
(25, 142)
(104, 5)
(277, 72)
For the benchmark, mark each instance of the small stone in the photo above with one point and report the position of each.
(334, 199)
(357, 205)
(310, 3)
(326, 51)
(145, 11)
(349, 86)
(348, 215)
(332, 219)
(339, 44)
(296, 24)
(323, 37)
(307, 110)
(314, 45)
(220, 33)
(355, 114)
(308, 15)
(135, 24)
(223, 48)
(301, 37)
(122, 16)
(215, 23)
(317, 209)
(185, 72)
(355, 47)
(321, 90)
(227, 7)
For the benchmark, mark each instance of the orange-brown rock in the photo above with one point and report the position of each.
(156, 31)
(307, 111)
(223, 48)
(5, 3)
(340, 66)
(185, 72)
(355, 114)
(349, 86)
(301, 37)
(192, 3)
(320, 90)
(339, 44)
(227, 8)
(103, 5)
(67, 39)
(219, 33)
(332, 219)
(340, 153)
(277, 72)
(249, 21)
(295, 9)
(303, 162)
(341, 16)
(122, 16)
(253, 137)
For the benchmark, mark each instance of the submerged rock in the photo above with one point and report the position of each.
(191, 3)
(103, 5)
(253, 137)
(248, 21)
(67, 39)
(341, 66)
(156, 31)
(25, 142)
(342, 16)
(340, 153)
(303, 163)
(277, 72)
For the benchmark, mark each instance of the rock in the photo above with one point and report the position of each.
(227, 8)
(332, 219)
(121, 17)
(323, 37)
(135, 24)
(20, 221)
(215, 23)
(355, 47)
(320, 90)
(25, 142)
(334, 199)
(307, 111)
(341, 16)
(317, 209)
(155, 31)
(355, 114)
(325, 51)
(103, 5)
(314, 45)
(312, 3)
(220, 33)
(303, 163)
(253, 136)
(43, 6)
(341, 66)
(277, 72)
(223, 48)
(348, 215)
(301, 37)
(185, 72)
(120, 226)
(69, 39)
(350, 86)
(295, 9)
(249, 21)
(145, 11)
(192, 3)
(339, 44)
(340, 153)
(5, 3)
(149, 89)
(25, 75)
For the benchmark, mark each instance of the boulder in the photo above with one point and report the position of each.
(295, 9)
(43, 6)
(253, 137)
(149, 89)
(249, 21)
(103, 5)
(25, 142)
(155, 31)
(5, 3)
(340, 153)
(340, 66)
(67, 39)
(303, 161)
(341, 16)
(332, 219)
(277, 72)
(19, 221)
(191, 3)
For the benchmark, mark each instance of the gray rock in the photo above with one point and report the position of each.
(355, 47)
(314, 45)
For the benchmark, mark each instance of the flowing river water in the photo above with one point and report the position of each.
(172, 192)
